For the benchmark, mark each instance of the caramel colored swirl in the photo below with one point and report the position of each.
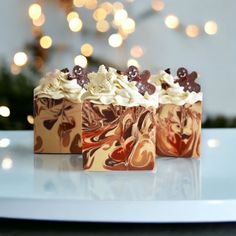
(171, 92)
(109, 87)
(56, 85)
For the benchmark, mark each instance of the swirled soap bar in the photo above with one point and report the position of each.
(118, 128)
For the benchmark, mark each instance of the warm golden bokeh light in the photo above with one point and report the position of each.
(115, 40)
(117, 6)
(30, 119)
(45, 42)
(91, 4)
(79, 3)
(211, 27)
(40, 21)
(133, 62)
(136, 51)
(20, 58)
(72, 14)
(128, 25)
(4, 111)
(120, 15)
(192, 31)
(99, 14)
(34, 11)
(75, 24)
(87, 49)
(102, 26)
(7, 163)
(81, 61)
(172, 21)
(107, 6)
(158, 5)
(15, 70)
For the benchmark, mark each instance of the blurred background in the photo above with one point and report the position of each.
(39, 36)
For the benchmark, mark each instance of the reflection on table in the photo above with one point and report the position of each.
(62, 176)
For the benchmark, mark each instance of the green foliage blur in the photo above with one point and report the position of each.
(16, 92)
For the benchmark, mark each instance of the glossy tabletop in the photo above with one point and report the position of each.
(55, 187)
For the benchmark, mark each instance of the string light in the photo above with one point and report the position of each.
(40, 21)
(120, 15)
(71, 15)
(20, 58)
(81, 61)
(158, 5)
(172, 21)
(115, 40)
(79, 3)
(7, 163)
(45, 42)
(87, 49)
(133, 62)
(35, 11)
(75, 24)
(4, 142)
(136, 51)
(102, 26)
(4, 111)
(30, 119)
(211, 27)
(192, 31)
(99, 14)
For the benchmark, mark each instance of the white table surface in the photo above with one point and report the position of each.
(54, 187)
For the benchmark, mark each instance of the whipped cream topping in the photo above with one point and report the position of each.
(173, 93)
(109, 87)
(56, 85)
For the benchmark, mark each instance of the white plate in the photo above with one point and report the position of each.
(54, 187)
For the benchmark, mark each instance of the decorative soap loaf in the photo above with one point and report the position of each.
(57, 112)
(118, 127)
(179, 115)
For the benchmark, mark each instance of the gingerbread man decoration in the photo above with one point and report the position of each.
(187, 80)
(142, 80)
(78, 73)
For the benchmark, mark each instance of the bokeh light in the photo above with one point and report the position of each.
(20, 58)
(15, 70)
(211, 27)
(39, 21)
(91, 4)
(45, 42)
(133, 62)
(192, 31)
(172, 21)
(158, 5)
(117, 6)
(81, 61)
(30, 119)
(128, 25)
(75, 24)
(4, 111)
(99, 14)
(35, 11)
(120, 15)
(107, 6)
(136, 51)
(102, 26)
(7, 163)
(87, 49)
(115, 40)
(72, 14)
(4, 142)
(79, 3)
(213, 143)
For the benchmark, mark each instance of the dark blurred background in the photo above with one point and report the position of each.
(40, 36)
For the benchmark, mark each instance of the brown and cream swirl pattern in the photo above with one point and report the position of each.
(117, 137)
